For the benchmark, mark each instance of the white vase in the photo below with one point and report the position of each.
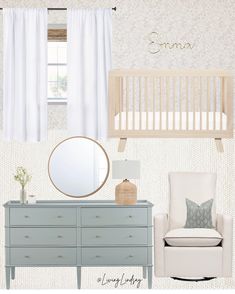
(23, 196)
(32, 199)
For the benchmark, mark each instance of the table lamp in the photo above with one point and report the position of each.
(126, 192)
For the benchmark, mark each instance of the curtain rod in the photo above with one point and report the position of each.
(114, 8)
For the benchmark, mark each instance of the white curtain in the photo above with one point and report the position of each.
(25, 74)
(89, 60)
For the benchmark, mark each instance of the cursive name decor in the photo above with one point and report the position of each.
(155, 44)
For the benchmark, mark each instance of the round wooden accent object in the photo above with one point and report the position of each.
(126, 193)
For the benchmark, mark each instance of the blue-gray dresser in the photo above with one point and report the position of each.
(78, 234)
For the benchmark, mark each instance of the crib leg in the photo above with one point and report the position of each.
(122, 144)
(219, 145)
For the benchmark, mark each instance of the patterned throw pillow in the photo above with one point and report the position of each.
(199, 216)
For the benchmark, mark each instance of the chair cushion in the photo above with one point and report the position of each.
(196, 237)
(199, 216)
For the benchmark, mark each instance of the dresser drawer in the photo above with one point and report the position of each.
(42, 216)
(43, 236)
(114, 236)
(114, 256)
(114, 216)
(43, 256)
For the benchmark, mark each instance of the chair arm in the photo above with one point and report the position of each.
(161, 225)
(224, 226)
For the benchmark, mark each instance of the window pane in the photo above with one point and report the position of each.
(57, 52)
(52, 54)
(62, 54)
(52, 73)
(62, 80)
(62, 90)
(62, 71)
(52, 90)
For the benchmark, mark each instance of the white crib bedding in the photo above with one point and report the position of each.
(134, 121)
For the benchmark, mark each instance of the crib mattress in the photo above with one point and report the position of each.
(197, 121)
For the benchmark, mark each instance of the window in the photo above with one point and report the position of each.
(57, 70)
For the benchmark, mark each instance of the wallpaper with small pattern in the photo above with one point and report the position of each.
(207, 25)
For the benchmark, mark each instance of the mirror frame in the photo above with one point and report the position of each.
(105, 179)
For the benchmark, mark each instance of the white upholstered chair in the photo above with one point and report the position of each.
(192, 253)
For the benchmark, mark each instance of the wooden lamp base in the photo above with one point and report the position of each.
(126, 193)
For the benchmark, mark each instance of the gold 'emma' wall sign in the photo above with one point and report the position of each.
(156, 45)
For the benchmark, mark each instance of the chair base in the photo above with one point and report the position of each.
(193, 280)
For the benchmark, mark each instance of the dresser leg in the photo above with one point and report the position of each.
(144, 272)
(13, 272)
(150, 277)
(8, 277)
(79, 277)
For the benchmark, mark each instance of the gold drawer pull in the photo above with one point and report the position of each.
(26, 236)
(97, 256)
(59, 236)
(27, 256)
(26, 216)
(59, 216)
(60, 256)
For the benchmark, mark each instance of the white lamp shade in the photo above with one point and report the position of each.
(126, 169)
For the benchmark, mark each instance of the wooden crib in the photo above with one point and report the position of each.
(170, 104)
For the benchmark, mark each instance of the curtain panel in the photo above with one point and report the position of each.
(89, 35)
(25, 74)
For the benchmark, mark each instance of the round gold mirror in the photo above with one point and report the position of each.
(78, 167)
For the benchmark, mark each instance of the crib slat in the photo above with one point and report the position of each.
(120, 102)
(167, 102)
(173, 98)
(146, 102)
(221, 102)
(225, 101)
(154, 106)
(187, 100)
(214, 110)
(133, 106)
(140, 106)
(193, 102)
(127, 101)
(229, 103)
(112, 99)
(200, 94)
(160, 103)
(208, 103)
(180, 103)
